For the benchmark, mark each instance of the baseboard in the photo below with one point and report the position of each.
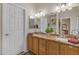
(21, 53)
(26, 53)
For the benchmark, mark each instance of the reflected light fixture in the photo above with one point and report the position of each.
(63, 7)
(38, 15)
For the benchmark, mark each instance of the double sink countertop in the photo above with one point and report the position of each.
(55, 38)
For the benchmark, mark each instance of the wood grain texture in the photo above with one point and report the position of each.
(68, 50)
(35, 45)
(52, 48)
(29, 42)
(42, 47)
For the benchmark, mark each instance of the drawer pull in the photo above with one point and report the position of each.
(70, 46)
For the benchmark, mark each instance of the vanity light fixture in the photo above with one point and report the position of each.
(37, 15)
(63, 7)
(58, 9)
(43, 13)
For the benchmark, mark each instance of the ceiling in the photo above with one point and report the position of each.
(36, 7)
(45, 6)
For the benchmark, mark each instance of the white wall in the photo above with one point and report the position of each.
(43, 24)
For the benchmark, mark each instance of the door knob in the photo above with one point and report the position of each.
(6, 34)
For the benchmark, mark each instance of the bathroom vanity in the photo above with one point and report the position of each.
(43, 44)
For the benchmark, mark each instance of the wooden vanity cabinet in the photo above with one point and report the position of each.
(29, 42)
(35, 45)
(42, 47)
(68, 50)
(52, 48)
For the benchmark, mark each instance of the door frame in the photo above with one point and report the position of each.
(1, 27)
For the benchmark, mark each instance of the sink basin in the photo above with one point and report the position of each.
(62, 39)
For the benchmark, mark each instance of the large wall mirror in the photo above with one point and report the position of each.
(69, 21)
(34, 23)
(65, 22)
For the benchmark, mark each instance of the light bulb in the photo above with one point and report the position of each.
(57, 8)
(42, 13)
(37, 15)
(62, 6)
(31, 17)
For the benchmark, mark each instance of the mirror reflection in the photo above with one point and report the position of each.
(69, 21)
(64, 22)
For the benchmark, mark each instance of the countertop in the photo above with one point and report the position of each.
(55, 38)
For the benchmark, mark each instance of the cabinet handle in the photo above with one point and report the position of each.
(71, 46)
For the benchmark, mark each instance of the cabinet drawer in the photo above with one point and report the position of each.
(68, 50)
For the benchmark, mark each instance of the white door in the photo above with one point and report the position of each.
(13, 29)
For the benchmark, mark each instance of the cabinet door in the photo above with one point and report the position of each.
(42, 46)
(29, 37)
(68, 50)
(52, 48)
(35, 45)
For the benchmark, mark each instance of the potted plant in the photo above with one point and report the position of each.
(49, 30)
